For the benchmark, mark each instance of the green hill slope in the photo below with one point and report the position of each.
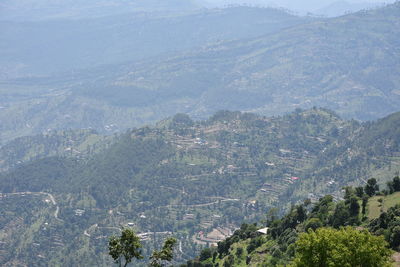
(379, 204)
(198, 180)
(78, 144)
(249, 247)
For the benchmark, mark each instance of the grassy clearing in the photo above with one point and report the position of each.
(375, 207)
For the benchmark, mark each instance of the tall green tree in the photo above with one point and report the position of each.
(166, 254)
(359, 191)
(346, 247)
(125, 248)
(371, 187)
(354, 207)
(364, 204)
(396, 184)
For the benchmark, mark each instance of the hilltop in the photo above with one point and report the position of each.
(197, 180)
(277, 63)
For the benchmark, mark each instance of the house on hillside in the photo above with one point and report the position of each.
(263, 231)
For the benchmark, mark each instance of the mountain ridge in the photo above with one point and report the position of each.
(183, 176)
(348, 64)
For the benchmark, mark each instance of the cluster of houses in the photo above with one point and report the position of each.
(79, 212)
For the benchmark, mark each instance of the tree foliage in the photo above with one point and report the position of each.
(166, 254)
(388, 225)
(125, 248)
(346, 247)
(371, 187)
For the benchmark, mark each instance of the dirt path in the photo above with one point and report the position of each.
(86, 232)
(174, 189)
(53, 200)
(396, 258)
(204, 204)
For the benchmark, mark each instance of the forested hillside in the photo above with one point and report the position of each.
(73, 143)
(349, 64)
(272, 64)
(197, 180)
(281, 241)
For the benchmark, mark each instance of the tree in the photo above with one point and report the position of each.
(395, 237)
(371, 187)
(239, 252)
(360, 191)
(205, 254)
(340, 216)
(313, 223)
(390, 187)
(364, 204)
(396, 184)
(125, 247)
(229, 261)
(349, 192)
(301, 213)
(159, 257)
(345, 247)
(354, 207)
(272, 215)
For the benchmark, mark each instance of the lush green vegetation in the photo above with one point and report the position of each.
(125, 248)
(196, 179)
(344, 247)
(79, 144)
(313, 235)
(378, 204)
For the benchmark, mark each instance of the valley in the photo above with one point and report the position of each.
(195, 180)
(233, 127)
(348, 64)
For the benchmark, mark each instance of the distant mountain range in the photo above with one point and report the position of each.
(343, 7)
(41, 10)
(330, 8)
(272, 64)
(349, 64)
(42, 48)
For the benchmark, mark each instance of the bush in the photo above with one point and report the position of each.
(344, 247)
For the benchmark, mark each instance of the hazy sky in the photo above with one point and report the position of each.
(42, 9)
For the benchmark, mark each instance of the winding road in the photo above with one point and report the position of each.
(220, 199)
(50, 196)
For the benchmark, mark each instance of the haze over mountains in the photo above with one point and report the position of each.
(33, 10)
(325, 7)
(61, 45)
(250, 107)
(196, 63)
(30, 10)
